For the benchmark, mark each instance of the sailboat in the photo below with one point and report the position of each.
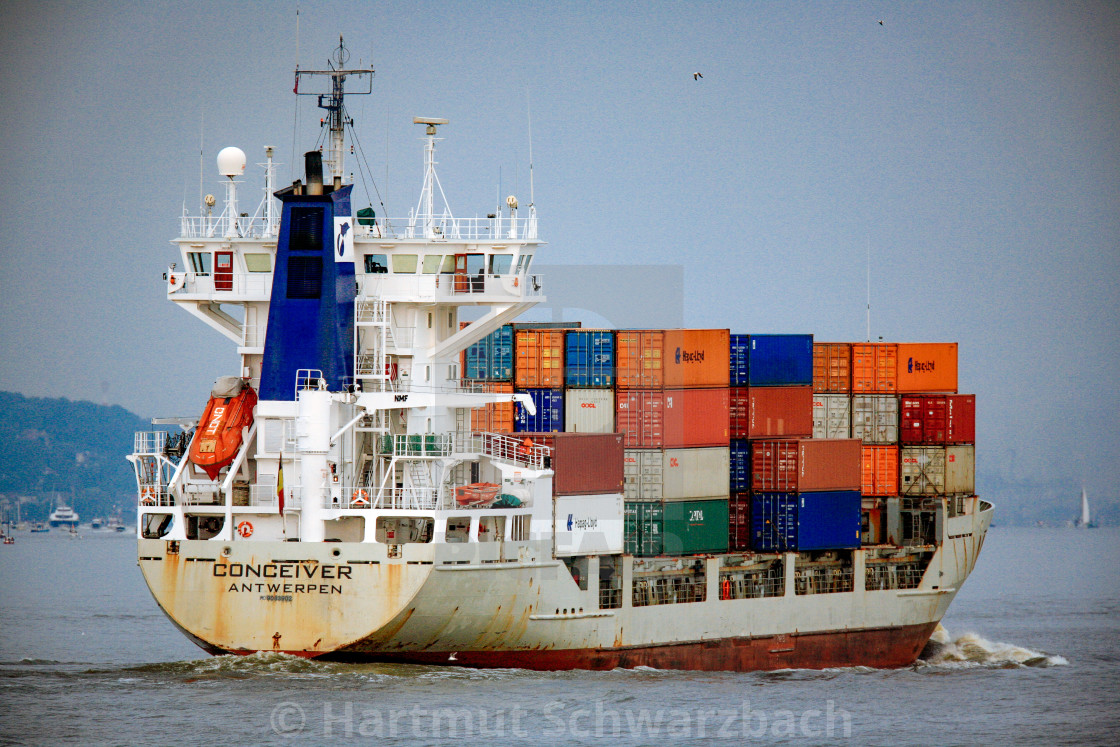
(1085, 520)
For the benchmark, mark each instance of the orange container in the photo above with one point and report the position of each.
(880, 469)
(875, 367)
(539, 359)
(638, 359)
(832, 367)
(673, 418)
(927, 367)
(496, 417)
(697, 358)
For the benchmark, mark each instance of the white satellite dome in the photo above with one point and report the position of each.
(231, 161)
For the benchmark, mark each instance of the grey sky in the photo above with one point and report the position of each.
(972, 148)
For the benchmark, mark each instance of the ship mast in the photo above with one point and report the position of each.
(337, 118)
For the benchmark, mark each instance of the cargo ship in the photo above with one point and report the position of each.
(397, 471)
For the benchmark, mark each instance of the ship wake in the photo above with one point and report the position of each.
(971, 650)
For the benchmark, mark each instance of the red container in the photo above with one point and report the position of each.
(832, 367)
(937, 419)
(739, 411)
(779, 411)
(961, 417)
(739, 526)
(584, 463)
(804, 465)
(673, 418)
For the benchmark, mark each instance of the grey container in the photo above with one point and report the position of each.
(938, 470)
(832, 416)
(875, 418)
(589, 410)
(677, 474)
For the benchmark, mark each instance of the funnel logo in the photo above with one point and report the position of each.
(343, 240)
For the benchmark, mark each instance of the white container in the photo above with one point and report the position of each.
(832, 416)
(588, 524)
(875, 418)
(589, 411)
(938, 470)
(960, 470)
(677, 474)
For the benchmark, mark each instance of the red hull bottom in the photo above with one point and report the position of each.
(882, 648)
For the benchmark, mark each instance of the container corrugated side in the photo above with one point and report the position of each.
(961, 428)
(927, 367)
(739, 411)
(673, 418)
(696, 358)
(781, 360)
(740, 360)
(692, 527)
(740, 452)
(539, 359)
(780, 411)
(589, 411)
(832, 415)
(550, 412)
(583, 463)
(880, 469)
(494, 417)
(809, 464)
(832, 367)
(960, 469)
(491, 358)
(638, 361)
(589, 359)
(739, 522)
(676, 474)
(808, 521)
(874, 367)
(875, 418)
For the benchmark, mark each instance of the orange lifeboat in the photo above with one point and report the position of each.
(227, 414)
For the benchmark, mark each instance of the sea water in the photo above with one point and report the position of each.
(1028, 654)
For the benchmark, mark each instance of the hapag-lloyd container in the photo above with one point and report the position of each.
(539, 355)
(803, 522)
(672, 359)
(584, 463)
(880, 469)
(938, 419)
(589, 358)
(874, 367)
(832, 416)
(781, 360)
(808, 464)
(676, 474)
(832, 367)
(927, 367)
(494, 417)
(673, 418)
(550, 412)
(589, 411)
(875, 418)
(938, 470)
(779, 411)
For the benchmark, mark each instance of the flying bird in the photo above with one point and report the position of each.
(880, 23)
(697, 76)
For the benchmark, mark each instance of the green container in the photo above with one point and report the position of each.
(641, 529)
(695, 527)
(630, 528)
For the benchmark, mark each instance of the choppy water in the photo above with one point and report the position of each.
(1029, 654)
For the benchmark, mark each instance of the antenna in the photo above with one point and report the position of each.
(201, 142)
(869, 289)
(529, 115)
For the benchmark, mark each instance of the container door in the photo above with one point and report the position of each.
(223, 271)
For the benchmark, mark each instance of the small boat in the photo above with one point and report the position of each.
(39, 528)
(1085, 521)
(63, 516)
(96, 523)
(220, 430)
(9, 539)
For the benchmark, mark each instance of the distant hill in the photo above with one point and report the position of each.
(72, 450)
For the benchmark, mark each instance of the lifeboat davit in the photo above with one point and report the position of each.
(219, 434)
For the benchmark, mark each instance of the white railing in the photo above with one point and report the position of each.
(449, 286)
(453, 229)
(253, 335)
(237, 283)
(149, 442)
(263, 495)
(214, 226)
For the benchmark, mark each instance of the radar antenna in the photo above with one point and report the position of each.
(337, 118)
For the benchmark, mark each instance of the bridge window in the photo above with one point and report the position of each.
(404, 263)
(500, 264)
(200, 262)
(432, 263)
(258, 262)
(376, 264)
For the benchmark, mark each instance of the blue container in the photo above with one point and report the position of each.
(780, 360)
(740, 354)
(800, 522)
(589, 359)
(491, 358)
(740, 465)
(550, 412)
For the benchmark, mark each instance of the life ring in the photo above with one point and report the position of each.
(148, 496)
(172, 279)
(245, 529)
(359, 498)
